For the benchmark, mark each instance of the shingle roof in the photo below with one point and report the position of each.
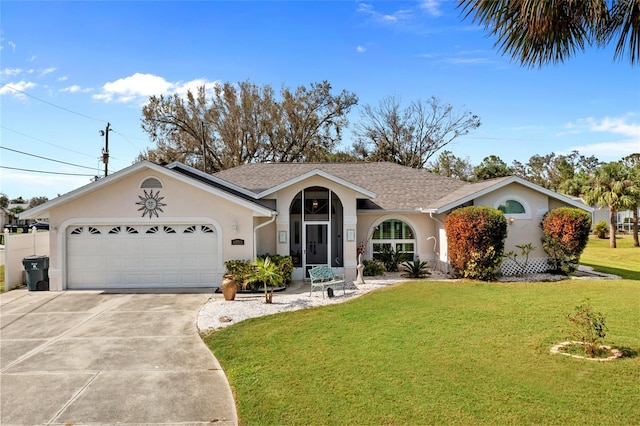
(466, 191)
(396, 187)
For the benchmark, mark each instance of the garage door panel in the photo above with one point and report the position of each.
(113, 256)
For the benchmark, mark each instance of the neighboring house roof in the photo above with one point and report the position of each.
(394, 187)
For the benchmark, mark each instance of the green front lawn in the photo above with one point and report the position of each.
(428, 352)
(623, 260)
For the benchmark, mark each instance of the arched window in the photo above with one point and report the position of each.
(511, 207)
(394, 234)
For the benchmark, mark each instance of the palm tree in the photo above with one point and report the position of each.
(632, 162)
(611, 187)
(267, 272)
(539, 32)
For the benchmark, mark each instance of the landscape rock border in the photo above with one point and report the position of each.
(556, 349)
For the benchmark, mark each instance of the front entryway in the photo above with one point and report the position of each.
(317, 244)
(316, 228)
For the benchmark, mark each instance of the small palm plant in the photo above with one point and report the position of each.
(267, 272)
(415, 269)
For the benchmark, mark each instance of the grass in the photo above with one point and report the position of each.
(428, 352)
(1, 278)
(623, 260)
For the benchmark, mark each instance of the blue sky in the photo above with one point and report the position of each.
(78, 65)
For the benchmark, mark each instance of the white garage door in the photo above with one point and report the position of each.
(142, 256)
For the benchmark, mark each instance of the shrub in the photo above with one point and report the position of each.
(415, 269)
(601, 229)
(588, 327)
(565, 235)
(476, 241)
(243, 271)
(391, 258)
(240, 270)
(373, 268)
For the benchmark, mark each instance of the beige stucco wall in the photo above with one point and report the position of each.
(115, 202)
(524, 228)
(423, 226)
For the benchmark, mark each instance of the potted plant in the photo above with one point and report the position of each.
(266, 272)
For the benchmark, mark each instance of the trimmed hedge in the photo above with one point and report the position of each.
(565, 233)
(476, 237)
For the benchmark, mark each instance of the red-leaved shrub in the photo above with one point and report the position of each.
(565, 233)
(475, 238)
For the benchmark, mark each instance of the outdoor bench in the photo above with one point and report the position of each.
(323, 277)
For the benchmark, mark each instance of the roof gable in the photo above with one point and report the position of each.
(395, 187)
(42, 210)
(475, 190)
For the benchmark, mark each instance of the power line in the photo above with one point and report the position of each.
(58, 146)
(52, 104)
(43, 171)
(45, 142)
(46, 158)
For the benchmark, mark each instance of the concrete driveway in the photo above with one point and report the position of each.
(89, 357)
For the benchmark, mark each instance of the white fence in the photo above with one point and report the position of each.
(16, 248)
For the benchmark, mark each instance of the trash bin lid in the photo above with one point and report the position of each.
(35, 257)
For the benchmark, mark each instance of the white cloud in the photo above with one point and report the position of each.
(361, 49)
(432, 7)
(63, 78)
(608, 151)
(398, 16)
(627, 126)
(468, 61)
(12, 71)
(138, 87)
(72, 89)
(135, 86)
(15, 89)
(47, 71)
(617, 125)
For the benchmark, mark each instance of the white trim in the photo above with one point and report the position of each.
(505, 182)
(527, 208)
(321, 173)
(232, 186)
(61, 265)
(34, 212)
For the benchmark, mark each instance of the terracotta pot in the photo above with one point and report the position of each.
(229, 287)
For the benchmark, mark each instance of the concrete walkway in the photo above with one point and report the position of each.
(97, 358)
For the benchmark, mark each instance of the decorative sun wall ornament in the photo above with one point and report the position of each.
(151, 204)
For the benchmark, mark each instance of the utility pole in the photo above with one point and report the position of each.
(204, 152)
(105, 151)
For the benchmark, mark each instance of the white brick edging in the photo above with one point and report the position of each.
(615, 352)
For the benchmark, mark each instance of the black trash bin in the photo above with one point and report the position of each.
(37, 268)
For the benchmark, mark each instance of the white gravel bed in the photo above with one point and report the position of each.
(218, 313)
